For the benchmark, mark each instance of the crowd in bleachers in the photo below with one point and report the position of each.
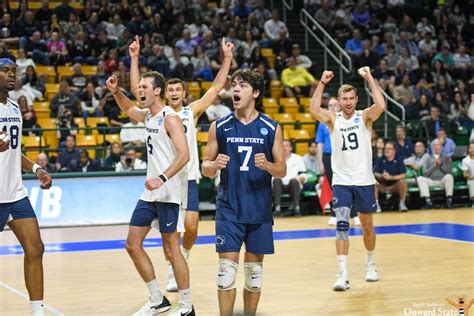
(65, 52)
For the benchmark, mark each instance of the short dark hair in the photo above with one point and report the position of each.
(255, 80)
(393, 144)
(311, 142)
(174, 81)
(158, 81)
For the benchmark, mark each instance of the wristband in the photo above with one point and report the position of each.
(35, 168)
(163, 177)
(322, 82)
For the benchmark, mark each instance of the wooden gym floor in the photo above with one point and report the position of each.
(422, 257)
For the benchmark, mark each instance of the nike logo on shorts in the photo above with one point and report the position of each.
(169, 224)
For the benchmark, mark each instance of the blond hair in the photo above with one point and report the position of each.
(346, 88)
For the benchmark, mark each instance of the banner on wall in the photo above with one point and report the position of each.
(85, 201)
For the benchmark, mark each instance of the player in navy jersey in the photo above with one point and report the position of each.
(247, 147)
(15, 207)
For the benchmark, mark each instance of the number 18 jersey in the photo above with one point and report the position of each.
(245, 191)
(351, 158)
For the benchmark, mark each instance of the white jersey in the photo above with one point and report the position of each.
(187, 116)
(161, 154)
(351, 158)
(11, 183)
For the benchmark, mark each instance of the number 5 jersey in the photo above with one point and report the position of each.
(351, 157)
(11, 122)
(245, 191)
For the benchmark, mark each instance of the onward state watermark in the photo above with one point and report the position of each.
(429, 309)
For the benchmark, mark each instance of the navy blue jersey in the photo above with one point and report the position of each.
(245, 191)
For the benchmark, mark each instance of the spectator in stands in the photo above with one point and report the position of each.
(133, 133)
(202, 9)
(445, 57)
(354, 47)
(56, 49)
(297, 81)
(66, 127)
(439, 71)
(115, 155)
(470, 110)
(180, 66)
(198, 29)
(467, 167)
(80, 50)
(138, 26)
(409, 60)
(43, 162)
(102, 46)
(72, 27)
(325, 15)
(216, 63)
(340, 30)
(217, 110)
(368, 57)
(69, 157)
(242, 10)
(9, 30)
(434, 123)
(21, 91)
(249, 44)
(404, 94)
(22, 62)
(459, 111)
(437, 172)
(115, 29)
(422, 108)
(390, 174)
(186, 44)
(427, 47)
(33, 82)
(90, 101)
(283, 43)
(462, 63)
(384, 76)
(404, 146)
(405, 41)
(302, 61)
(64, 10)
(292, 182)
(419, 158)
(177, 29)
(209, 44)
(378, 150)
(424, 26)
(310, 159)
(361, 17)
(77, 81)
(64, 100)
(447, 143)
(27, 27)
(274, 26)
(262, 13)
(29, 118)
(130, 163)
(86, 164)
(226, 94)
(201, 65)
(36, 48)
(44, 13)
(423, 87)
(111, 110)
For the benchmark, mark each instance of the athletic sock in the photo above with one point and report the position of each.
(370, 256)
(155, 292)
(342, 262)
(185, 298)
(36, 307)
(185, 253)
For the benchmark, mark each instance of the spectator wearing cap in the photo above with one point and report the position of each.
(445, 57)
(437, 172)
(467, 167)
(302, 61)
(325, 100)
(273, 26)
(297, 80)
(390, 173)
(325, 15)
(447, 143)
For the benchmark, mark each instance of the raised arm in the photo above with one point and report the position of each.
(125, 104)
(43, 176)
(134, 51)
(322, 115)
(372, 113)
(200, 106)
(277, 168)
(213, 161)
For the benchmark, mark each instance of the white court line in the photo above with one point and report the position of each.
(440, 238)
(20, 293)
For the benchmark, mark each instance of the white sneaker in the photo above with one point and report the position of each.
(379, 210)
(356, 221)
(402, 207)
(332, 221)
(152, 308)
(172, 286)
(181, 310)
(371, 275)
(342, 282)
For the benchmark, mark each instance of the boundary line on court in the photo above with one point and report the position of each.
(23, 295)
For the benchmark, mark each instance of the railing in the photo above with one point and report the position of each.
(287, 5)
(387, 113)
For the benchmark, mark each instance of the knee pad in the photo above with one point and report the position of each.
(343, 215)
(253, 276)
(226, 274)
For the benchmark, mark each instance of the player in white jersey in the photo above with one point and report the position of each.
(15, 207)
(353, 180)
(175, 94)
(168, 154)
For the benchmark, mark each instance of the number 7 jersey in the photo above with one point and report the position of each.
(12, 189)
(351, 157)
(245, 191)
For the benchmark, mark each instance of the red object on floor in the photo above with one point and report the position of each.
(326, 194)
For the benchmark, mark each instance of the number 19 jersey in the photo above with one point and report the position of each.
(11, 189)
(351, 157)
(245, 191)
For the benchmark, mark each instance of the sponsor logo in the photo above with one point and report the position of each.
(264, 131)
